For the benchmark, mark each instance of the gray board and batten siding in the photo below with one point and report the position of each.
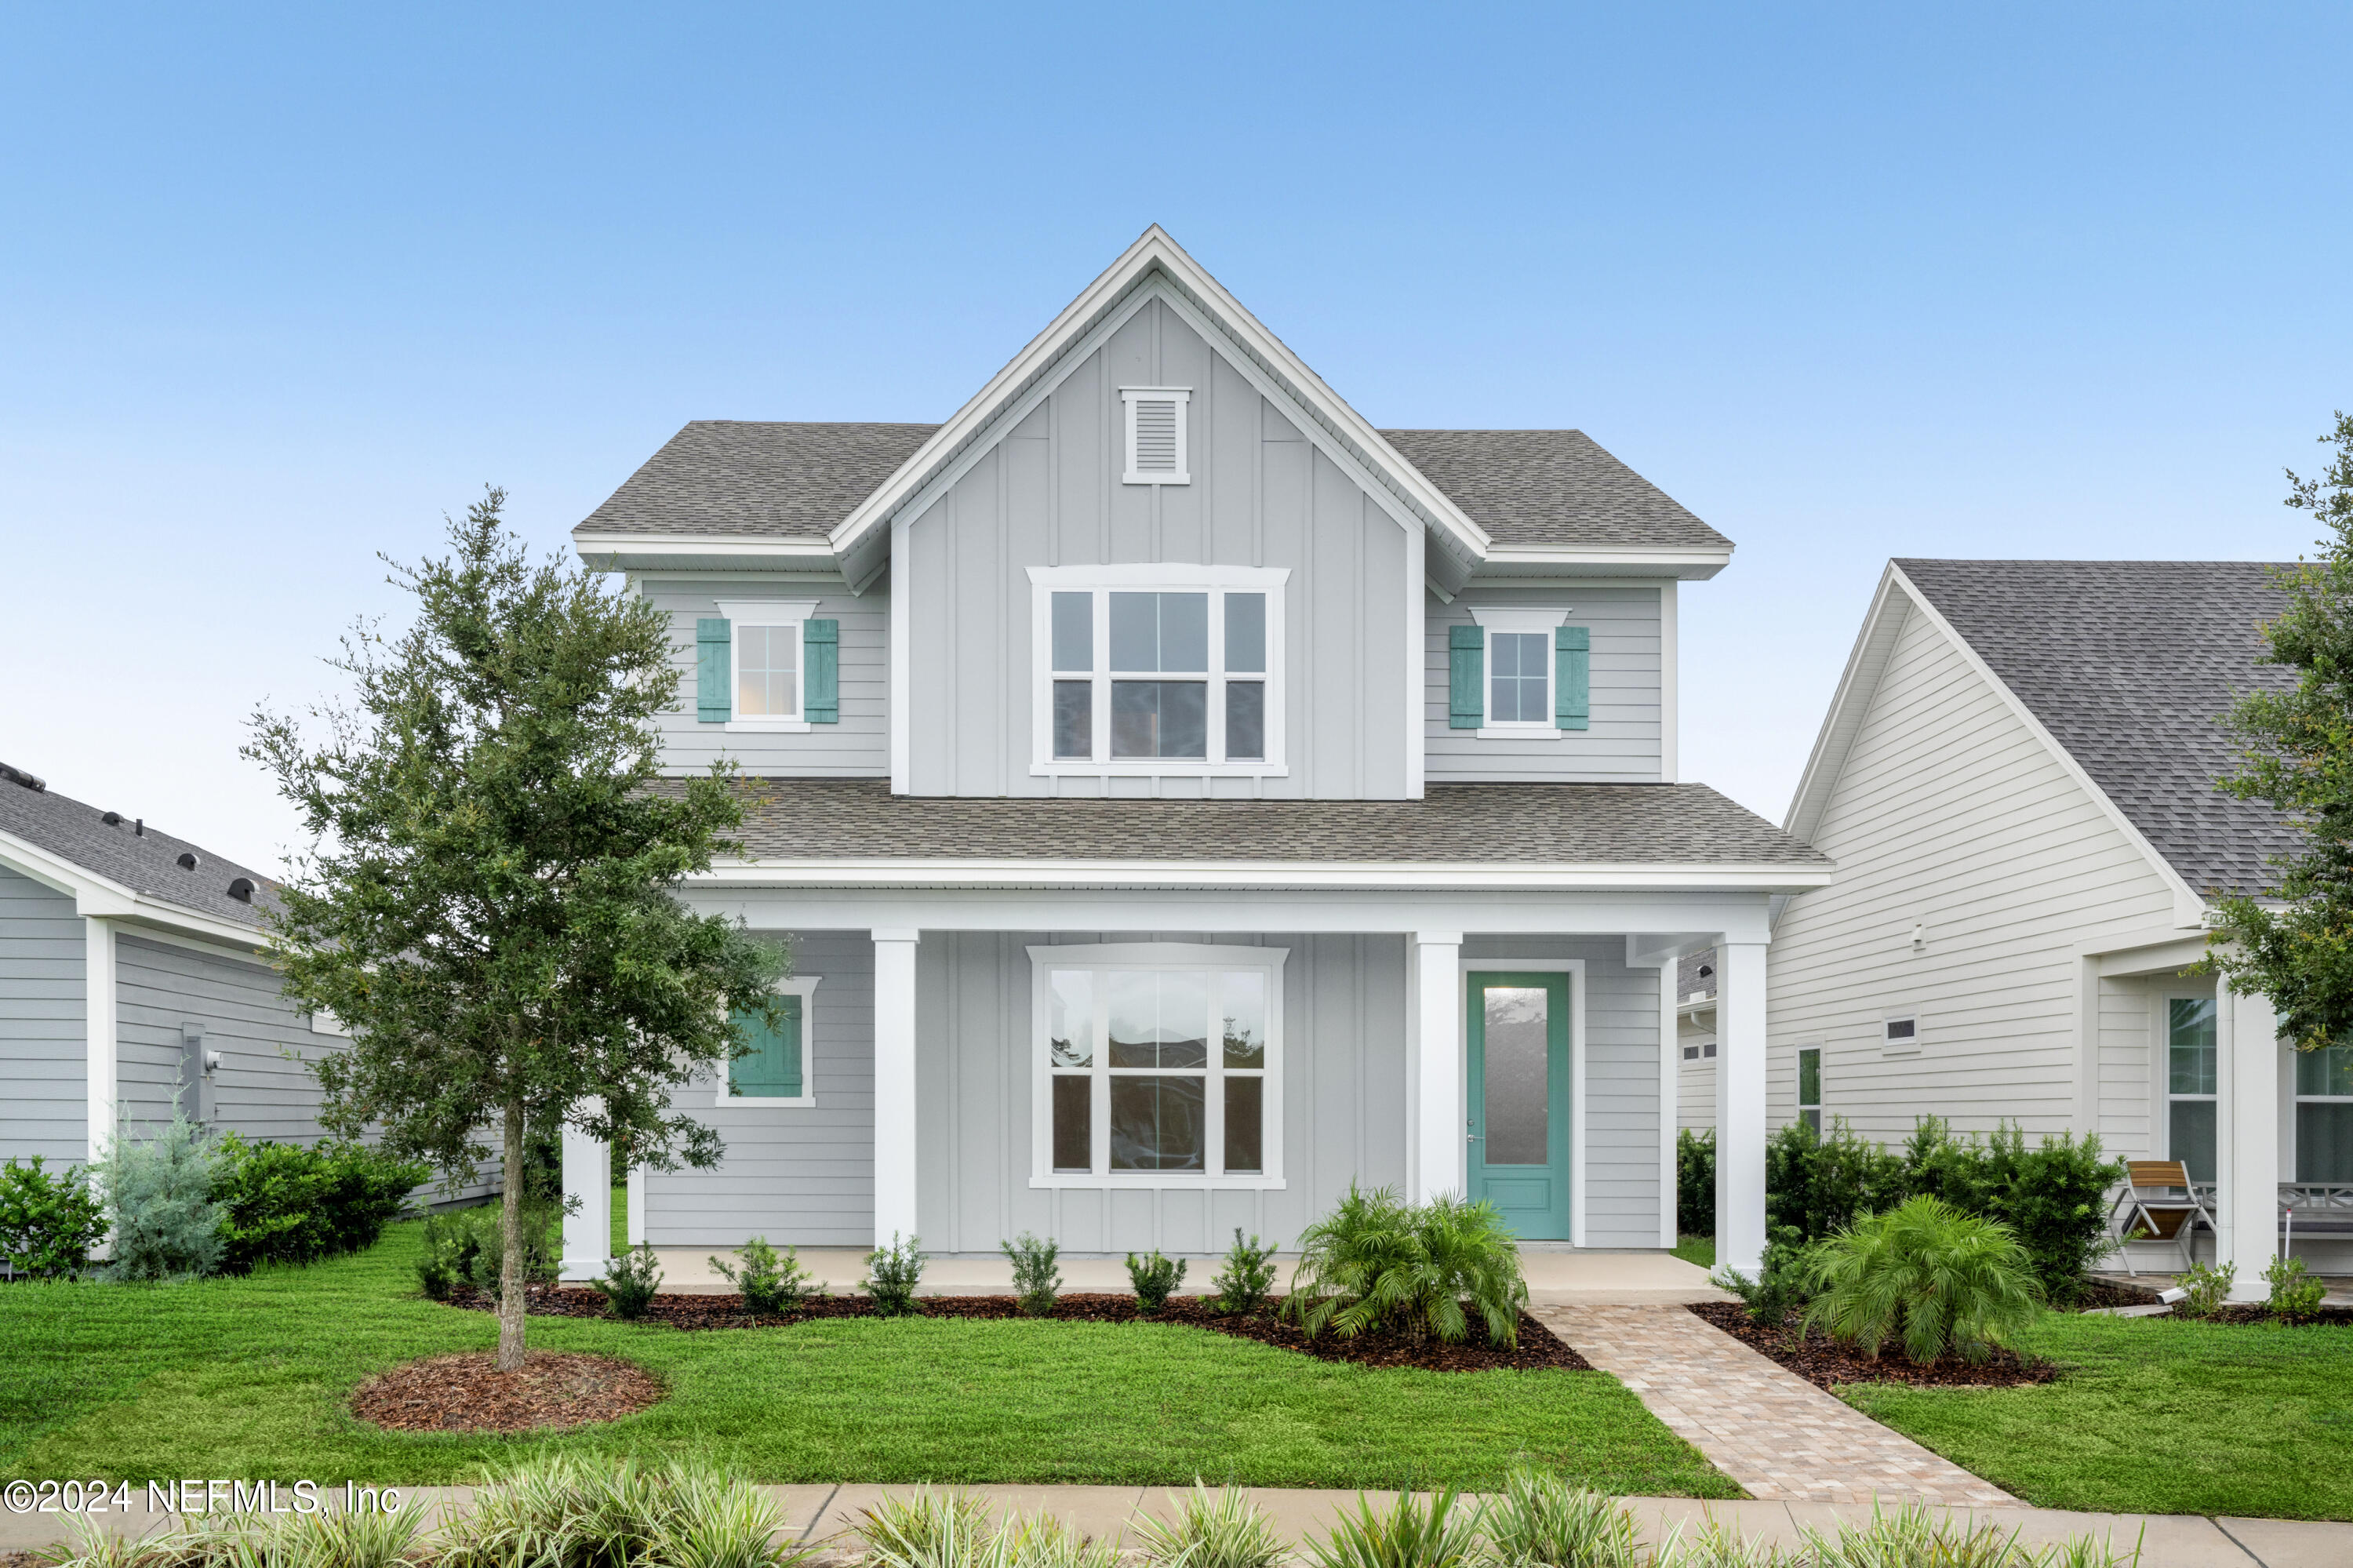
(1048, 491)
(43, 1043)
(856, 746)
(805, 1174)
(1623, 742)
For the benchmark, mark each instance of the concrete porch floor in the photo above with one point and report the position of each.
(1557, 1278)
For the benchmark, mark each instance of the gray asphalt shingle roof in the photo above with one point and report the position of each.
(145, 861)
(755, 479)
(1624, 824)
(2129, 664)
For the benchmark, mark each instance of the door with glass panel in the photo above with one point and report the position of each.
(1519, 1082)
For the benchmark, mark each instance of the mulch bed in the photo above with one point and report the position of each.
(1537, 1349)
(2116, 1293)
(1826, 1363)
(551, 1392)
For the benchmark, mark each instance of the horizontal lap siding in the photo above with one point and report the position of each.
(1621, 746)
(1620, 1161)
(1950, 810)
(802, 1176)
(1344, 1099)
(44, 1109)
(857, 746)
(259, 1090)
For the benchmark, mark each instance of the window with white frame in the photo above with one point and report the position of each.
(1158, 1064)
(1520, 670)
(773, 1061)
(2324, 1114)
(1157, 669)
(2190, 1069)
(1899, 1034)
(1157, 439)
(1810, 1085)
(766, 659)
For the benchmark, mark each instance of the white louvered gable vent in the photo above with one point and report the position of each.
(1156, 434)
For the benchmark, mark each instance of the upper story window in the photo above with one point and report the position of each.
(1157, 438)
(767, 664)
(1157, 669)
(1519, 674)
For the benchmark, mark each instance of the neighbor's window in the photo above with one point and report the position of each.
(1141, 677)
(2190, 1073)
(1899, 1035)
(1810, 1085)
(2324, 1114)
(1158, 1064)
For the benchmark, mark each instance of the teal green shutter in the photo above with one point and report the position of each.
(713, 704)
(770, 1067)
(821, 699)
(1572, 677)
(1466, 677)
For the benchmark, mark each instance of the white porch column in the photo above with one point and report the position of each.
(588, 1227)
(1439, 1123)
(100, 1047)
(1740, 1106)
(894, 1084)
(2247, 1153)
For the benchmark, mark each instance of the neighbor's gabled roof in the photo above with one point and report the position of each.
(2126, 666)
(59, 840)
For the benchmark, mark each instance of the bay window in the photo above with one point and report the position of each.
(1157, 1064)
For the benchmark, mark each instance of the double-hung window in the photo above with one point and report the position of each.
(2324, 1114)
(2189, 1083)
(1157, 1064)
(1157, 669)
(1518, 674)
(1810, 1085)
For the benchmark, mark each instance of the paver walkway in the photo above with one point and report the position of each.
(1768, 1428)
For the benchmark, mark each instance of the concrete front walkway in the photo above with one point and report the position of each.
(1555, 1276)
(823, 1515)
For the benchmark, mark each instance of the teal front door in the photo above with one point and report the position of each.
(1519, 1153)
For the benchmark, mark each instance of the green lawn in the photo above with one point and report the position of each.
(2156, 1415)
(247, 1378)
(1700, 1250)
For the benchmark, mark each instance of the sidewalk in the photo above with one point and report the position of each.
(822, 1514)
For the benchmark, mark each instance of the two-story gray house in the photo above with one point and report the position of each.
(1184, 800)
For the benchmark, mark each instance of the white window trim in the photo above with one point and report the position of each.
(768, 612)
(1043, 960)
(804, 987)
(1900, 1047)
(1159, 577)
(1490, 620)
(2296, 1097)
(1798, 1090)
(2161, 1000)
(1182, 397)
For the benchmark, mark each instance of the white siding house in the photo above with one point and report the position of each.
(2015, 778)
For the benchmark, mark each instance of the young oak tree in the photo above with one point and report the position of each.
(488, 906)
(2298, 744)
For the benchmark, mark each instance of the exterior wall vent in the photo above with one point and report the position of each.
(1156, 444)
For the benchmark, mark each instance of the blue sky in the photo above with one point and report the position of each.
(278, 288)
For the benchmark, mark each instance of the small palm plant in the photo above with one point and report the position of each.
(1376, 1262)
(1926, 1275)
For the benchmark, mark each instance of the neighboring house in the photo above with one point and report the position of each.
(130, 977)
(1695, 1036)
(1184, 800)
(2016, 780)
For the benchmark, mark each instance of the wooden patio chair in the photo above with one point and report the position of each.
(2157, 1202)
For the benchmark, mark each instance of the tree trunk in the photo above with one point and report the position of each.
(510, 1274)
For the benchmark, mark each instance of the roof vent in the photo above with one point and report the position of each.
(241, 889)
(19, 775)
(111, 819)
(188, 861)
(1705, 970)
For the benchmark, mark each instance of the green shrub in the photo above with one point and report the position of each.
(2295, 1296)
(1784, 1282)
(1154, 1277)
(159, 1203)
(1928, 1274)
(1035, 1280)
(447, 1259)
(1221, 1529)
(1819, 1183)
(1248, 1279)
(2208, 1288)
(586, 1511)
(629, 1283)
(933, 1529)
(2053, 1197)
(1539, 1521)
(1375, 1263)
(464, 1246)
(1694, 1182)
(48, 1223)
(1043, 1541)
(768, 1283)
(1414, 1531)
(892, 1275)
(287, 1204)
